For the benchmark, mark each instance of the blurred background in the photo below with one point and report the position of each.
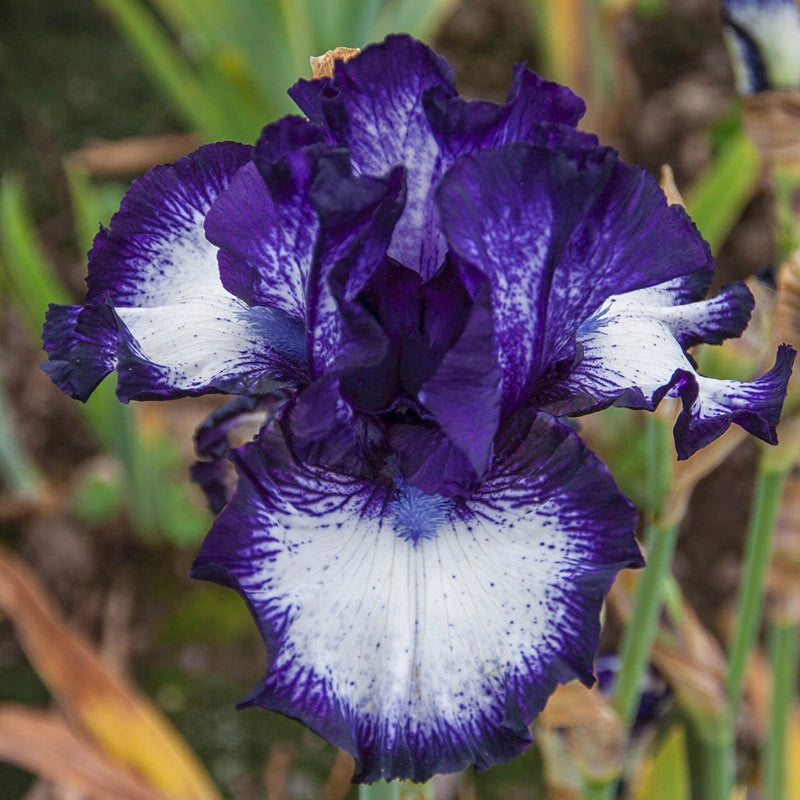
(101, 631)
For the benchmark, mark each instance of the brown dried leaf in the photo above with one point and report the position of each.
(772, 120)
(322, 66)
(42, 742)
(687, 474)
(687, 656)
(114, 714)
(693, 664)
(338, 783)
(784, 573)
(594, 733)
(132, 155)
(787, 302)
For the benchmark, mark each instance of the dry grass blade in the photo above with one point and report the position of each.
(132, 155)
(43, 743)
(120, 720)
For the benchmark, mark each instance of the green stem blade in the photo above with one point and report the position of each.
(750, 602)
(641, 631)
(783, 653)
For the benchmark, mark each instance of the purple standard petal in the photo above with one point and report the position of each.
(395, 103)
(265, 224)
(632, 355)
(429, 460)
(178, 331)
(357, 215)
(373, 106)
(462, 126)
(322, 430)
(419, 632)
(557, 234)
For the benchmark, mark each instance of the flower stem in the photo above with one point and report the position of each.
(783, 653)
(641, 631)
(750, 604)
(660, 539)
(751, 596)
(380, 790)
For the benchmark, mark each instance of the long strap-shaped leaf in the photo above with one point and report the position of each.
(114, 714)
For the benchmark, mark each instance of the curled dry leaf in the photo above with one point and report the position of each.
(772, 120)
(685, 654)
(120, 720)
(594, 732)
(787, 302)
(42, 742)
(322, 66)
(687, 474)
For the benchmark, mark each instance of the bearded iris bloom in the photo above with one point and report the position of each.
(763, 38)
(412, 293)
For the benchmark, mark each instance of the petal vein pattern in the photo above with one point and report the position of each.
(632, 355)
(175, 330)
(424, 653)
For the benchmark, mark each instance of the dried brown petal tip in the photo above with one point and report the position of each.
(669, 187)
(322, 66)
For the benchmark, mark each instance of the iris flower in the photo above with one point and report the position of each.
(413, 293)
(763, 37)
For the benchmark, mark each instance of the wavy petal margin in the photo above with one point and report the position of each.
(155, 308)
(419, 632)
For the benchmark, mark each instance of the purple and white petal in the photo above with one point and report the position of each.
(212, 344)
(533, 104)
(155, 252)
(81, 343)
(357, 215)
(373, 107)
(265, 224)
(419, 632)
(557, 234)
(174, 329)
(632, 355)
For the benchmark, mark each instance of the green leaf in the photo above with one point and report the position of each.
(718, 198)
(666, 776)
(27, 277)
(167, 68)
(17, 470)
